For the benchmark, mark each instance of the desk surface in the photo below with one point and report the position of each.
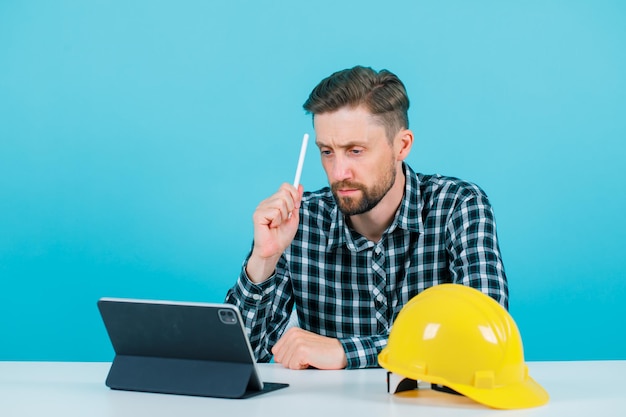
(77, 389)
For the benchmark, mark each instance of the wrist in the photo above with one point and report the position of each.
(259, 269)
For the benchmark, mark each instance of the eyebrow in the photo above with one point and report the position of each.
(350, 144)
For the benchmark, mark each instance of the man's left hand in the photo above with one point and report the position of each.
(300, 349)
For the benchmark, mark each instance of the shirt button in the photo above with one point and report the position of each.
(256, 297)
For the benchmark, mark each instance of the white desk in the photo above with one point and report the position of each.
(77, 389)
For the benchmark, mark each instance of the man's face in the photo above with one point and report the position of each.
(357, 156)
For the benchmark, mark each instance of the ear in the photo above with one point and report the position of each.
(403, 143)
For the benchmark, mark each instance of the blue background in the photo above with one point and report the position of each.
(137, 137)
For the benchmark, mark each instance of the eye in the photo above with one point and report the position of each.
(356, 151)
(325, 152)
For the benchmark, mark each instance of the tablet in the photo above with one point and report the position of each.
(180, 348)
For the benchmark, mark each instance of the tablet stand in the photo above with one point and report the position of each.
(184, 377)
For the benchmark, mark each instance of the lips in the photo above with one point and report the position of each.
(346, 192)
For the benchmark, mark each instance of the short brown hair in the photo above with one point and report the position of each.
(382, 93)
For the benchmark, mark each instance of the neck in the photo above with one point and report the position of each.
(373, 224)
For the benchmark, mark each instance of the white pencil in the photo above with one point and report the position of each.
(305, 140)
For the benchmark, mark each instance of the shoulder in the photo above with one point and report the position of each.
(452, 201)
(437, 188)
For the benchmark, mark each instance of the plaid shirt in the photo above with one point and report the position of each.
(349, 288)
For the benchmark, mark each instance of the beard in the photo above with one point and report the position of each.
(370, 196)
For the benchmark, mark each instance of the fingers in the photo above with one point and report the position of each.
(278, 208)
(299, 349)
(290, 351)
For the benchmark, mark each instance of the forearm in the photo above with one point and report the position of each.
(264, 313)
(247, 297)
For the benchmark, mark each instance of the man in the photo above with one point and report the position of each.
(350, 256)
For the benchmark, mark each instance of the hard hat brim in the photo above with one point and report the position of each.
(526, 394)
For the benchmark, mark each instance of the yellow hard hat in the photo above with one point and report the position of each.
(456, 336)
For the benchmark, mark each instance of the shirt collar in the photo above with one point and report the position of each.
(408, 217)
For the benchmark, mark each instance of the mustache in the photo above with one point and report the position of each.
(346, 184)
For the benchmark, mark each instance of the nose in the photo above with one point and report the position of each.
(341, 169)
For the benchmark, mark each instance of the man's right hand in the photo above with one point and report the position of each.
(276, 221)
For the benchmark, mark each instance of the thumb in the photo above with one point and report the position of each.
(300, 194)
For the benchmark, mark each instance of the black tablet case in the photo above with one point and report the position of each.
(179, 348)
